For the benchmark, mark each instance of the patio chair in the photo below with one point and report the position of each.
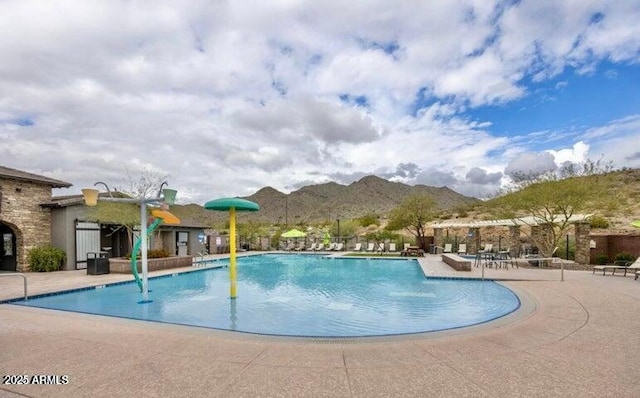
(447, 248)
(290, 246)
(332, 246)
(392, 247)
(358, 247)
(320, 246)
(488, 247)
(370, 247)
(339, 247)
(462, 248)
(312, 247)
(380, 247)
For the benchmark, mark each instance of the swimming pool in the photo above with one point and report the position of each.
(302, 295)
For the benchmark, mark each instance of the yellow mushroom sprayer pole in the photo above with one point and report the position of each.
(232, 254)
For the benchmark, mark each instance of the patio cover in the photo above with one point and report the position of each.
(510, 222)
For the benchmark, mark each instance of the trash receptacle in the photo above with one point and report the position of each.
(97, 263)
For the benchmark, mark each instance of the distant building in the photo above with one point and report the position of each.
(24, 221)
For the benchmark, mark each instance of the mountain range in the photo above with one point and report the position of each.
(330, 201)
(370, 195)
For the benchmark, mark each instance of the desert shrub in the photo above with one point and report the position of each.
(599, 222)
(46, 258)
(624, 256)
(158, 253)
(601, 258)
(368, 219)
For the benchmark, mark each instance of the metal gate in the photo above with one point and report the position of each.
(87, 241)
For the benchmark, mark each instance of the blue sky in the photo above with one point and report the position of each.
(226, 97)
(568, 101)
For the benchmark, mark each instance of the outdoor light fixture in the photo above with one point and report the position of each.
(165, 197)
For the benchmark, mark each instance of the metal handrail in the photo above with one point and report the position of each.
(25, 281)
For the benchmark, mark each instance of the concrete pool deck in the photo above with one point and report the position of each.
(577, 338)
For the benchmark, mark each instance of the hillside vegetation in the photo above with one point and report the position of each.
(613, 199)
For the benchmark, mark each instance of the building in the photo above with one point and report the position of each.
(30, 216)
(78, 231)
(24, 221)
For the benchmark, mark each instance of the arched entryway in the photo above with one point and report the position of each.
(8, 249)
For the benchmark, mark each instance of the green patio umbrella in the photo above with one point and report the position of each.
(294, 233)
(636, 224)
(232, 205)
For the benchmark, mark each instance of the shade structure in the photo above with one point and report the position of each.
(636, 224)
(294, 233)
(232, 205)
(225, 204)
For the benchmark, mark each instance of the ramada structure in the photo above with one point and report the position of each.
(539, 227)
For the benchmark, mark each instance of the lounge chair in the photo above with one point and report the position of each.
(447, 248)
(637, 275)
(462, 248)
(392, 247)
(358, 247)
(332, 246)
(631, 266)
(380, 247)
(617, 265)
(370, 247)
(320, 246)
(290, 246)
(312, 247)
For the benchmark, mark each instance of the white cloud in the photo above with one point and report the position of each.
(577, 154)
(228, 97)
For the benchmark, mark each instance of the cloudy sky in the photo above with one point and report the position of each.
(226, 97)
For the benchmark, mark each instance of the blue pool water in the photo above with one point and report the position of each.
(302, 295)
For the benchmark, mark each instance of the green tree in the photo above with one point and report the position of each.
(412, 215)
(368, 219)
(347, 228)
(551, 204)
(249, 232)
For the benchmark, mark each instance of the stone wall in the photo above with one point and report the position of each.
(123, 266)
(21, 210)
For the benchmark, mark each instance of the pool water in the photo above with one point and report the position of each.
(302, 295)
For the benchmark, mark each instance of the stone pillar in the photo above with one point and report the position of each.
(513, 240)
(438, 238)
(583, 229)
(473, 240)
